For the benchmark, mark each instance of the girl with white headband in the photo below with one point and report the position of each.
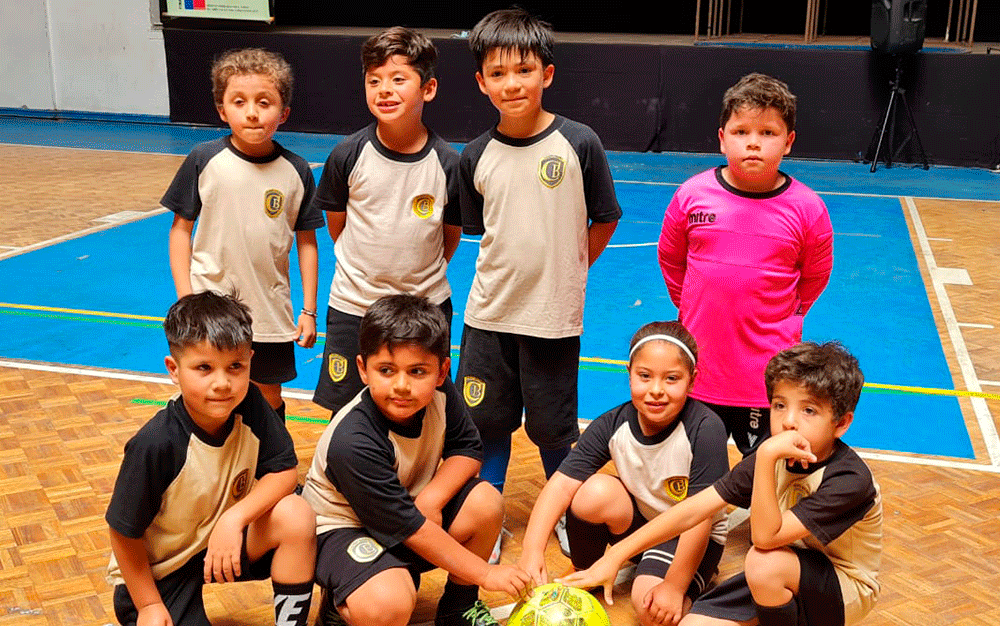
(665, 447)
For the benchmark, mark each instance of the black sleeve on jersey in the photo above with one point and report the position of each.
(277, 451)
(598, 185)
(449, 160)
(461, 437)
(709, 456)
(844, 496)
(153, 458)
(182, 195)
(471, 200)
(736, 487)
(593, 450)
(332, 192)
(309, 217)
(359, 463)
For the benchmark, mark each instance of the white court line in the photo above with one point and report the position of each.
(304, 395)
(80, 233)
(990, 383)
(622, 181)
(979, 406)
(973, 325)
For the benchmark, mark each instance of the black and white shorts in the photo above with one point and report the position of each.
(346, 558)
(502, 375)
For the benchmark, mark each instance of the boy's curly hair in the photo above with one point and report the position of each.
(252, 61)
(759, 91)
(827, 371)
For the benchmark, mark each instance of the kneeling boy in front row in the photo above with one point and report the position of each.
(395, 482)
(205, 488)
(815, 508)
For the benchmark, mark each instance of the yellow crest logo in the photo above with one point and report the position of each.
(337, 367)
(676, 487)
(423, 206)
(551, 170)
(241, 485)
(473, 390)
(796, 491)
(364, 549)
(274, 201)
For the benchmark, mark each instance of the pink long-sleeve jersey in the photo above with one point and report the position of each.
(743, 269)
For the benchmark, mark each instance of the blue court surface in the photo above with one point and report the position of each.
(96, 300)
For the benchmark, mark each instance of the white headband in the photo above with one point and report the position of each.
(674, 340)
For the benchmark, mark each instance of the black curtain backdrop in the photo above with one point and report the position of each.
(637, 97)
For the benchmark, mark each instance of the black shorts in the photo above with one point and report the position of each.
(181, 589)
(272, 363)
(749, 426)
(656, 560)
(503, 375)
(339, 380)
(819, 600)
(346, 558)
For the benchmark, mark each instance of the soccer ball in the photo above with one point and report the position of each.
(559, 605)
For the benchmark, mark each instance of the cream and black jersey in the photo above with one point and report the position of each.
(367, 469)
(532, 200)
(176, 481)
(661, 470)
(840, 504)
(396, 204)
(248, 210)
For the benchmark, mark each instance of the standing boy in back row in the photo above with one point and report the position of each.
(390, 192)
(252, 198)
(537, 187)
(745, 251)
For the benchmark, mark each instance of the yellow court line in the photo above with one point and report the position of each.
(55, 309)
(936, 392)
(918, 390)
(587, 359)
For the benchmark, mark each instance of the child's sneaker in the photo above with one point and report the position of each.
(476, 615)
(495, 554)
(562, 536)
(328, 613)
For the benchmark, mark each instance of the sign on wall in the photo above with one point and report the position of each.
(221, 9)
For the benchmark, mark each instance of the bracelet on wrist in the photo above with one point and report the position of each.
(306, 311)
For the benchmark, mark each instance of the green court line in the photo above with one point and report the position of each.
(593, 364)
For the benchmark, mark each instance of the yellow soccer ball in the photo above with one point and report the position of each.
(559, 605)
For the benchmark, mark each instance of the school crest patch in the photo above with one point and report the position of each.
(337, 367)
(364, 550)
(676, 487)
(241, 485)
(274, 201)
(473, 390)
(423, 206)
(551, 170)
(796, 491)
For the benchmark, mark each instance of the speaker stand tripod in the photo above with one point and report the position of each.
(897, 95)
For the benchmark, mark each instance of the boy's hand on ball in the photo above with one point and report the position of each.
(534, 564)
(507, 578)
(602, 573)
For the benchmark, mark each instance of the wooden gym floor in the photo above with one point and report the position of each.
(61, 434)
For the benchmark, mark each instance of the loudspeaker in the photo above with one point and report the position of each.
(898, 25)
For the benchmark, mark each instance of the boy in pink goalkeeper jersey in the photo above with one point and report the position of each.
(745, 250)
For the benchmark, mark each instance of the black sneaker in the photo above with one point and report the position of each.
(477, 615)
(328, 613)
